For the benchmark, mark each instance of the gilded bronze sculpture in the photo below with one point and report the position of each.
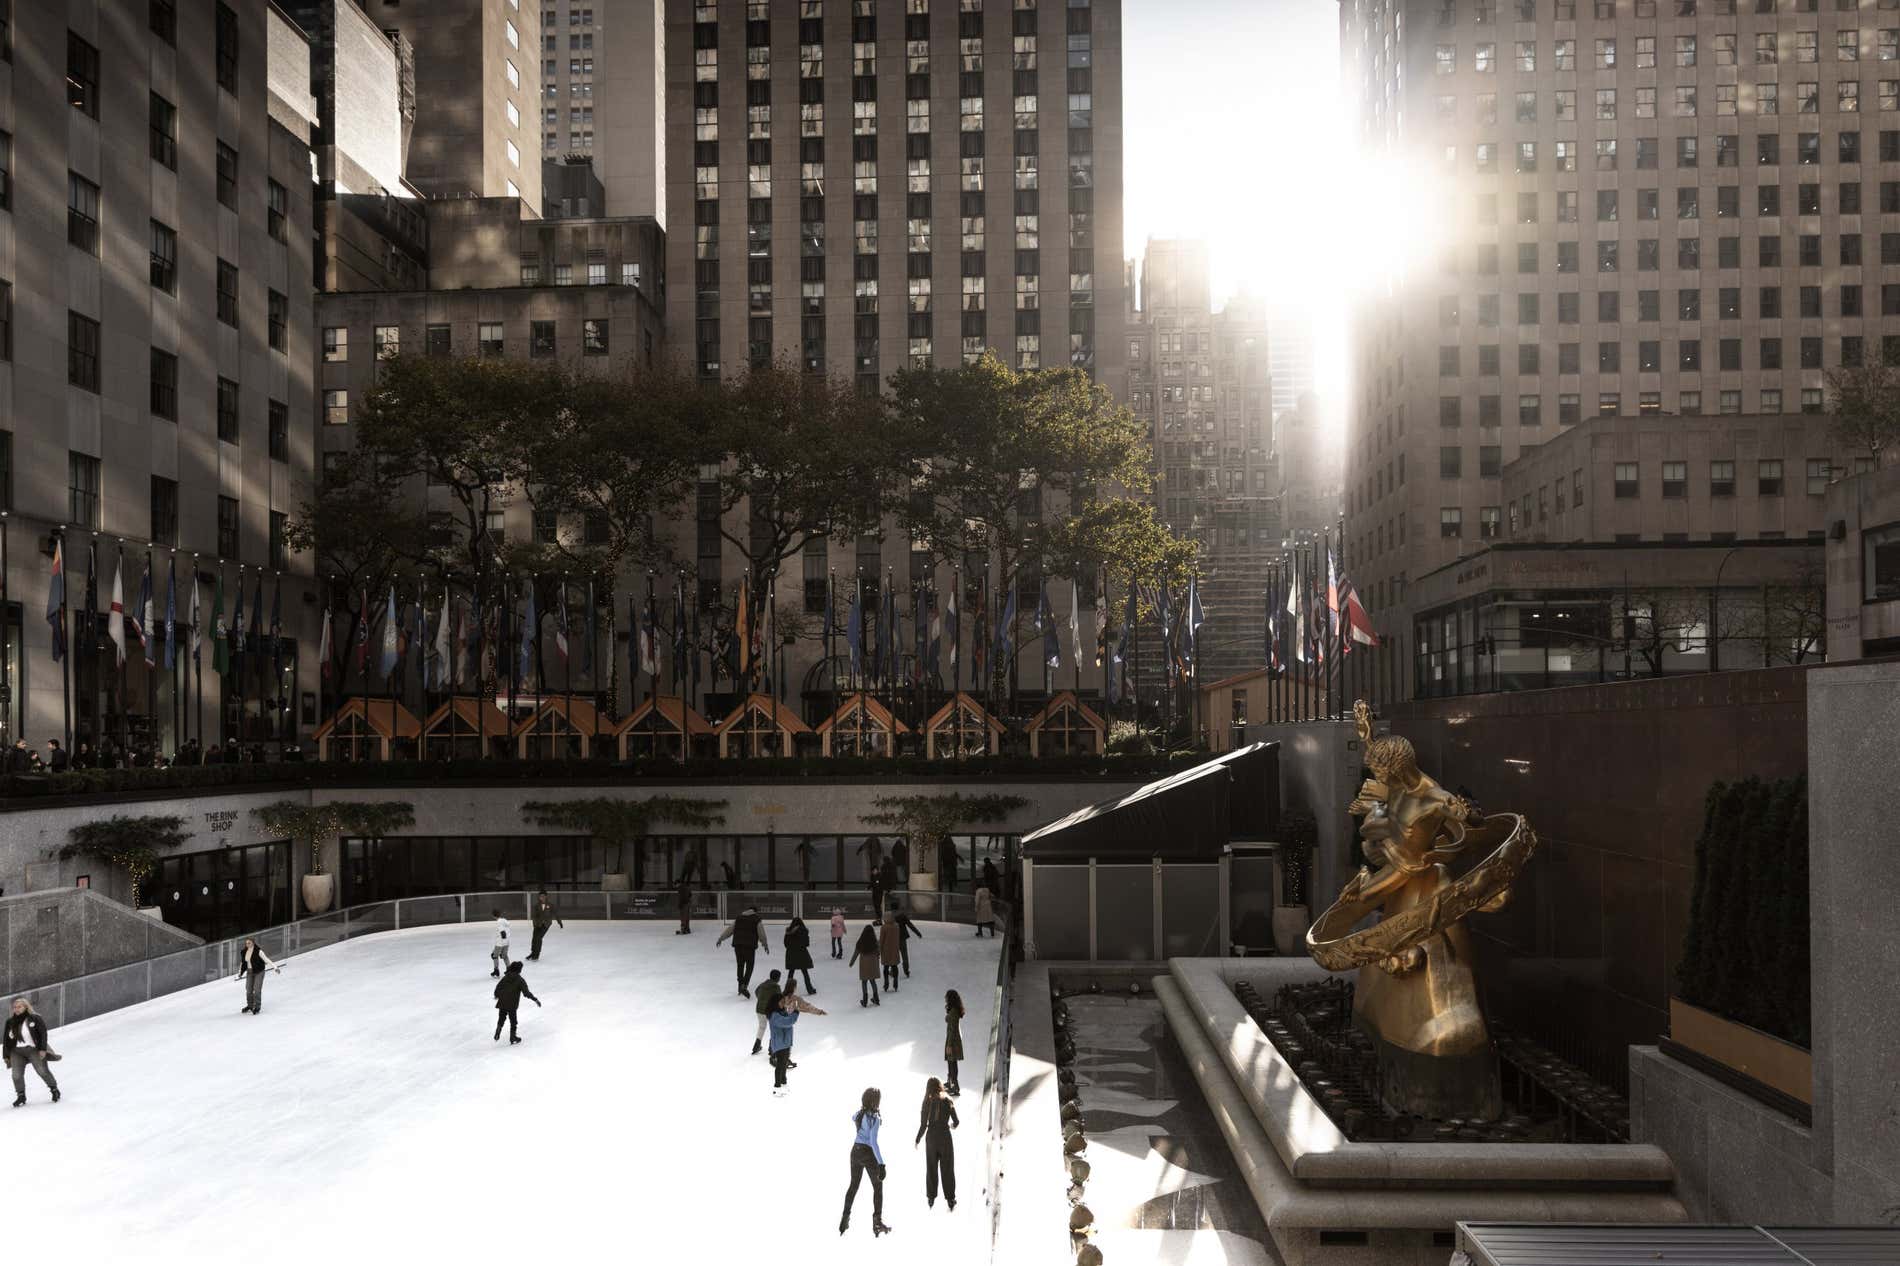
(1416, 993)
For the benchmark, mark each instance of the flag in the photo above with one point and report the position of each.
(142, 613)
(171, 615)
(220, 648)
(459, 644)
(1165, 608)
(392, 633)
(257, 615)
(1004, 622)
(768, 639)
(197, 629)
(1046, 625)
(636, 654)
(854, 633)
(530, 628)
(1298, 628)
(1273, 634)
(115, 622)
(277, 628)
(324, 649)
(237, 627)
(593, 623)
(56, 600)
(1101, 621)
(679, 632)
(91, 641)
(952, 628)
(919, 631)
(1075, 622)
(1195, 619)
(1332, 593)
(1357, 618)
(935, 653)
(444, 640)
(887, 634)
(1118, 658)
(648, 635)
(742, 630)
(560, 624)
(980, 631)
(362, 633)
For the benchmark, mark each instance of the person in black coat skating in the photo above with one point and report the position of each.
(864, 957)
(683, 891)
(23, 1042)
(905, 930)
(798, 952)
(934, 1123)
(544, 918)
(509, 991)
(748, 937)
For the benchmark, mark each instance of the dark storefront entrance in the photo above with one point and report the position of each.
(225, 892)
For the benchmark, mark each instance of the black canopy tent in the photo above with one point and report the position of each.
(1189, 816)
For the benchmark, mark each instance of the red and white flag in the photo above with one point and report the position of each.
(1358, 622)
(115, 622)
(324, 649)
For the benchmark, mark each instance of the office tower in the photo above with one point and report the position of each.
(604, 79)
(155, 355)
(1290, 358)
(1611, 215)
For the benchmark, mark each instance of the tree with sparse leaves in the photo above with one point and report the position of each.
(1864, 406)
(131, 844)
(620, 823)
(928, 821)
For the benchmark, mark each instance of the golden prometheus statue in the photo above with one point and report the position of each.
(1416, 992)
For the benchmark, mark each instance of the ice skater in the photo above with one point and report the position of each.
(784, 1018)
(864, 954)
(23, 1042)
(509, 992)
(544, 917)
(866, 1158)
(952, 1042)
(934, 1123)
(985, 912)
(837, 932)
(498, 957)
(905, 930)
(748, 938)
(798, 952)
(683, 891)
(253, 962)
(888, 943)
(764, 999)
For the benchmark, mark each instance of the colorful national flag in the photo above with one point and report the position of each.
(56, 600)
(115, 622)
(392, 635)
(171, 615)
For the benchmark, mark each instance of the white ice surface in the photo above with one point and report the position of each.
(367, 1116)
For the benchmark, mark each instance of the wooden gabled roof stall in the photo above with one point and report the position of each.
(364, 726)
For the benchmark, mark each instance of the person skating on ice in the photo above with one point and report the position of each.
(905, 930)
(784, 1019)
(498, 957)
(683, 893)
(985, 912)
(866, 1158)
(544, 918)
(23, 1042)
(509, 991)
(864, 954)
(934, 1123)
(952, 1041)
(253, 962)
(837, 932)
(798, 953)
(748, 938)
(888, 945)
(764, 999)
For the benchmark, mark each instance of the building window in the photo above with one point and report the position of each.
(164, 258)
(336, 407)
(164, 385)
(279, 210)
(488, 339)
(1451, 522)
(336, 343)
(82, 213)
(1880, 563)
(227, 527)
(1627, 482)
(227, 48)
(1675, 479)
(227, 411)
(594, 336)
(82, 490)
(541, 338)
(6, 320)
(227, 175)
(164, 511)
(164, 132)
(227, 293)
(82, 351)
(279, 419)
(435, 341)
(6, 167)
(82, 75)
(1819, 470)
(277, 320)
(1768, 478)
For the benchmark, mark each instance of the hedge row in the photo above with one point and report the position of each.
(92, 782)
(1745, 955)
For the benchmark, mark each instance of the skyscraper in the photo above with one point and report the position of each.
(1610, 212)
(603, 94)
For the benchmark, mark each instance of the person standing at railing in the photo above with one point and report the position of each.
(798, 952)
(509, 992)
(905, 930)
(866, 1159)
(889, 945)
(499, 955)
(24, 1042)
(785, 1013)
(544, 918)
(748, 938)
(985, 912)
(683, 890)
(253, 962)
(952, 1041)
(837, 932)
(766, 998)
(934, 1123)
(864, 955)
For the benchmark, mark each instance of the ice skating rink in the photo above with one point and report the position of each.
(367, 1116)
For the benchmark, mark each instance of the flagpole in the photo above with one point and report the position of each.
(67, 668)
(831, 634)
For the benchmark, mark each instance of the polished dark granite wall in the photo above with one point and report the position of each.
(1613, 778)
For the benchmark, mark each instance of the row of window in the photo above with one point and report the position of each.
(1687, 357)
(1609, 255)
(563, 274)
(1725, 48)
(1686, 102)
(1485, 12)
(83, 508)
(1648, 205)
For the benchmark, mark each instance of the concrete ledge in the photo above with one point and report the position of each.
(1032, 1200)
(1314, 1151)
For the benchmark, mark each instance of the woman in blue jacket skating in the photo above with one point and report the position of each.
(866, 1158)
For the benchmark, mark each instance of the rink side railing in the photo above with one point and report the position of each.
(82, 997)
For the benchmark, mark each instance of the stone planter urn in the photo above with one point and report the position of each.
(923, 889)
(1289, 930)
(318, 892)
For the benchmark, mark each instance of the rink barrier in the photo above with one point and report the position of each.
(97, 993)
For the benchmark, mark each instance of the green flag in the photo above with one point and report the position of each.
(220, 636)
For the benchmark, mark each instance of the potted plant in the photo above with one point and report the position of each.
(1292, 914)
(621, 822)
(313, 824)
(926, 822)
(131, 844)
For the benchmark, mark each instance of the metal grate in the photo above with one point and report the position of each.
(1548, 1244)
